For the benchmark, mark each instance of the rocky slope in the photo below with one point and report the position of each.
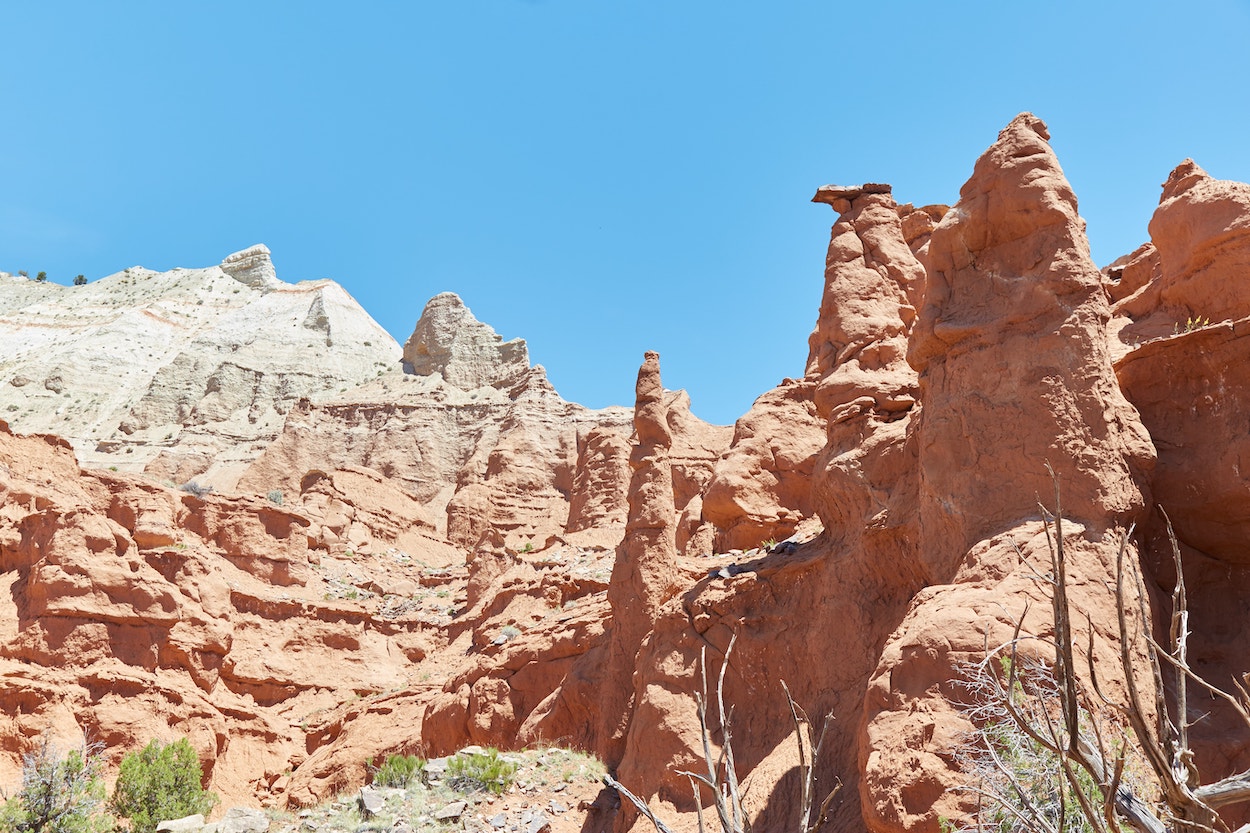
(481, 440)
(461, 556)
(186, 373)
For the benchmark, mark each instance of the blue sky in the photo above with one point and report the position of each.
(600, 178)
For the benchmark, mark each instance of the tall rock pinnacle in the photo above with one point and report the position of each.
(644, 575)
(1014, 366)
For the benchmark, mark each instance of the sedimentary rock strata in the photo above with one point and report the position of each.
(187, 373)
(483, 562)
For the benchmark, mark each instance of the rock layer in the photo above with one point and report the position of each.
(478, 437)
(133, 611)
(187, 373)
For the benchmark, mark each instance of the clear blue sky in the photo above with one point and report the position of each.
(600, 178)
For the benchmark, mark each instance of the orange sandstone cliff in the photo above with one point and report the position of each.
(450, 553)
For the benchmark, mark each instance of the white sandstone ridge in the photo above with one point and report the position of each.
(475, 435)
(186, 373)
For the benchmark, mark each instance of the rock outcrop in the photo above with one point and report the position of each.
(480, 561)
(187, 373)
(468, 354)
(1183, 325)
(133, 611)
(1015, 376)
(473, 433)
(763, 487)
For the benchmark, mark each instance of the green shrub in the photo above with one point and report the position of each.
(479, 771)
(159, 784)
(275, 497)
(80, 280)
(59, 795)
(398, 770)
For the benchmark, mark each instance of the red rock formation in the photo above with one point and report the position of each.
(1199, 247)
(866, 390)
(794, 611)
(475, 434)
(644, 575)
(133, 611)
(1015, 372)
(761, 487)
(1184, 329)
(1014, 310)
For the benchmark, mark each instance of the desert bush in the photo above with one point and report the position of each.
(480, 771)
(80, 280)
(398, 770)
(59, 794)
(275, 497)
(193, 488)
(160, 783)
(1019, 780)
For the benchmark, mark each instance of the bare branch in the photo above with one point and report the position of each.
(641, 805)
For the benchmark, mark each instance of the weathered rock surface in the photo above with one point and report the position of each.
(1015, 375)
(187, 373)
(1199, 250)
(1182, 322)
(132, 611)
(455, 555)
(761, 488)
(474, 434)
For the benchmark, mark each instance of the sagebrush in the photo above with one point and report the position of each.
(60, 793)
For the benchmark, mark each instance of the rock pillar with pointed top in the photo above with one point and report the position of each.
(1015, 368)
(642, 578)
(1015, 373)
(644, 575)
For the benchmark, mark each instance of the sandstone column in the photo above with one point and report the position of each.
(643, 577)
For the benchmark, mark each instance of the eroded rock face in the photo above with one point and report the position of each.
(761, 488)
(252, 266)
(865, 391)
(1199, 250)
(442, 538)
(1184, 330)
(130, 608)
(1014, 311)
(1015, 374)
(187, 373)
(1182, 323)
(476, 435)
(644, 576)
(812, 596)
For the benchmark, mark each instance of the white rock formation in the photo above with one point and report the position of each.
(449, 341)
(185, 373)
